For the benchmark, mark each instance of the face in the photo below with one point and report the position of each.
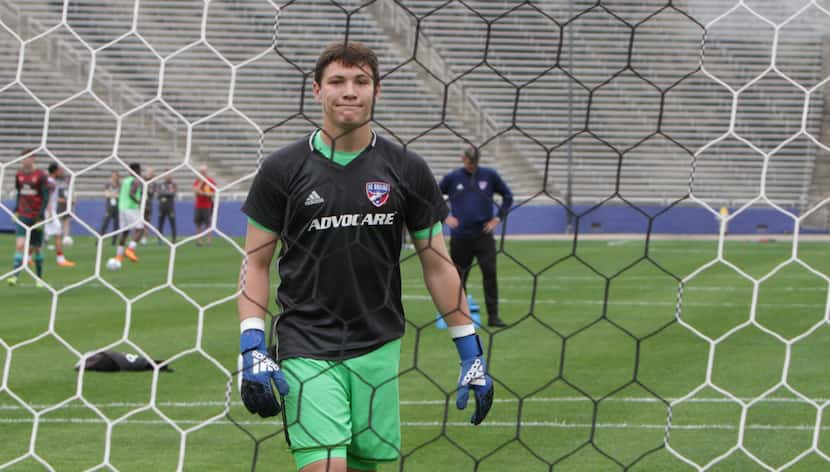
(469, 164)
(346, 95)
(114, 176)
(29, 164)
(203, 169)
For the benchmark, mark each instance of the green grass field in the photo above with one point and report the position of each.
(585, 373)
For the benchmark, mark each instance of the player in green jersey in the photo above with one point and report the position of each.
(130, 219)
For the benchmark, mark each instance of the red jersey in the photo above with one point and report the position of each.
(201, 200)
(32, 192)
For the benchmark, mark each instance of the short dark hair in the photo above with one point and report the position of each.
(136, 167)
(472, 154)
(53, 167)
(27, 151)
(352, 54)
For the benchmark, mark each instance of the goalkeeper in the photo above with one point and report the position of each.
(339, 200)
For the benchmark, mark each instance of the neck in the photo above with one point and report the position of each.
(347, 141)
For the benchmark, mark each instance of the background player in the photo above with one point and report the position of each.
(129, 213)
(111, 190)
(167, 205)
(470, 189)
(203, 190)
(62, 187)
(342, 315)
(54, 224)
(32, 186)
(148, 208)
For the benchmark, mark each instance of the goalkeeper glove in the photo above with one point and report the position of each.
(258, 370)
(473, 377)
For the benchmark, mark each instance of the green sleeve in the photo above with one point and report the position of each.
(427, 233)
(259, 226)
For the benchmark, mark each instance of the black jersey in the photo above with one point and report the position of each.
(341, 229)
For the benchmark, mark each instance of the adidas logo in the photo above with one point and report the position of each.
(313, 198)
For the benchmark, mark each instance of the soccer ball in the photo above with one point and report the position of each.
(68, 241)
(113, 264)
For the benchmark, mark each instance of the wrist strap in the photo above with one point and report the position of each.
(252, 322)
(469, 347)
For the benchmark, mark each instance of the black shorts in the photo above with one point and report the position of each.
(202, 216)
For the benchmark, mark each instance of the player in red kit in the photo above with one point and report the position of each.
(32, 186)
(203, 190)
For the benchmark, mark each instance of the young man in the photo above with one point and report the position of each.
(129, 213)
(203, 190)
(111, 191)
(63, 202)
(167, 205)
(470, 190)
(338, 201)
(148, 209)
(32, 186)
(54, 224)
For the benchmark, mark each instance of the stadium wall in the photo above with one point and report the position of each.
(523, 220)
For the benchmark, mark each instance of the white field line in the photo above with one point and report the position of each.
(427, 424)
(203, 404)
(417, 424)
(599, 302)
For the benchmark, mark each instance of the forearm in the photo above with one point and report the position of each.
(254, 288)
(447, 294)
(44, 198)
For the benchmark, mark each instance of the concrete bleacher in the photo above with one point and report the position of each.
(531, 112)
(665, 48)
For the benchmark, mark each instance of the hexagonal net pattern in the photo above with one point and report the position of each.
(620, 351)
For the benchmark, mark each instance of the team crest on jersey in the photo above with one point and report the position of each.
(377, 192)
(482, 184)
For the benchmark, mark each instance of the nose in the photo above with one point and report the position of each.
(349, 90)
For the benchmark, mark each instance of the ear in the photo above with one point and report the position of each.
(315, 89)
(377, 90)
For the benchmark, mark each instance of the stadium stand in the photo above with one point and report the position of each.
(520, 69)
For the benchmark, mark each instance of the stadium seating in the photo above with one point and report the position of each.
(521, 67)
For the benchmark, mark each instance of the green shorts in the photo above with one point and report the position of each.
(330, 405)
(36, 236)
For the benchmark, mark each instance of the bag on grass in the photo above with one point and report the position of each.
(114, 361)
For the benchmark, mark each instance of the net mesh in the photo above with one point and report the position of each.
(649, 108)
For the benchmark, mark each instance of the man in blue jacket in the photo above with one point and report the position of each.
(470, 190)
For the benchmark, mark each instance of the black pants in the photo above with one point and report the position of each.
(168, 213)
(111, 215)
(483, 248)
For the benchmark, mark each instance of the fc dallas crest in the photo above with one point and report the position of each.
(377, 192)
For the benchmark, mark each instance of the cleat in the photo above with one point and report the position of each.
(131, 255)
(496, 323)
(12, 281)
(66, 263)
